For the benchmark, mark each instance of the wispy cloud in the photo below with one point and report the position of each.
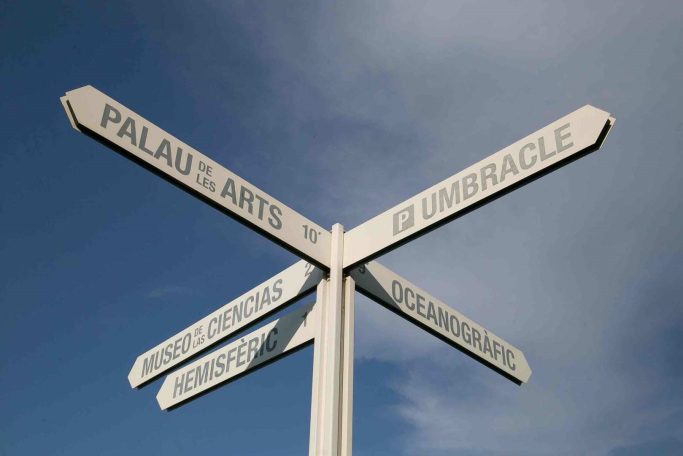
(166, 291)
(386, 101)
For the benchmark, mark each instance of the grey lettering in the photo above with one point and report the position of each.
(497, 349)
(410, 304)
(443, 319)
(241, 351)
(148, 364)
(261, 204)
(508, 167)
(189, 379)
(447, 199)
(253, 348)
(510, 358)
(274, 219)
(455, 326)
(404, 219)
(397, 291)
(431, 313)
(246, 196)
(248, 309)
(201, 374)
(488, 172)
(187, 342)
(143, 141)
(272, 337)
(476, 338)
(168, 352)
(179, 160)
(263, 344)
(426, 213)
(106, 115)
(237, 311)
(420, 305)
(178, 385)
(277, 290)
(176, 348)
(465, 330)
(487, 344)
(541, 149)
(164, 150)
(469, 185)
(230, 358)
(229, 190)
(220, 365)
(211, 331)
(559, 138)
(522, 160)
(128, 129)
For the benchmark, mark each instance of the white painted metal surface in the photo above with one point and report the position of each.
(332, 389)
(330, 346)
(554, 145)
(239, 357)
(93, 112)
(419, 307)
(240, 313)
(317, 390)
(346, 394)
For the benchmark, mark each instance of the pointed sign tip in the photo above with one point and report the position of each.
(525, 379)
(134, 380)
(160, 396)
(69, 112)
(85, 87)
(525, 373)
(609, 124)
(593, 108)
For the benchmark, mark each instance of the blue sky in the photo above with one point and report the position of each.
(342, 110)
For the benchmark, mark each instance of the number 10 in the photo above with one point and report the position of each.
(310, 234)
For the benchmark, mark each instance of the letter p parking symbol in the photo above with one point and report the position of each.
(404, 219)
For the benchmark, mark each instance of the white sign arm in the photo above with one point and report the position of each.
(240, 313)
(416, 305)
(254, 350)
(555, 145)
(95, 114)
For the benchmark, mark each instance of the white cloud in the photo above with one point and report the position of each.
(169, 290)
(390, 99)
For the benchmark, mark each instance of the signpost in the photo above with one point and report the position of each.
(416, 305)
(328, 323)
(254, 305)
(266, 344)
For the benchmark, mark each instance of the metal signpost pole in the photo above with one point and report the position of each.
(333, 361)
(346, 398)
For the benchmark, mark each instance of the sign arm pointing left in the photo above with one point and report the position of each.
(104, 119)
(254, 350)
(245, 311)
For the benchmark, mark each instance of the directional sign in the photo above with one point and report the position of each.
(331, 319)
(555, 145)
(108, 121)
(416, 305)
(239, 357)
(251, 307)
